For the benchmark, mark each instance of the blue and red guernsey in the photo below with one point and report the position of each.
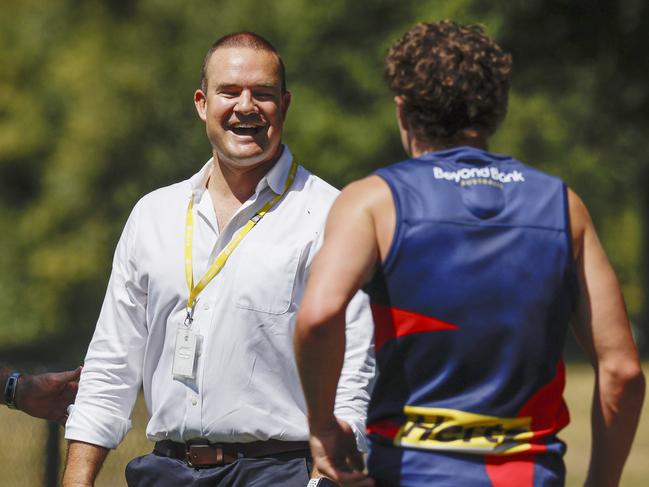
(471, 308)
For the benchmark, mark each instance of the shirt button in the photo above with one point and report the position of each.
(206, 306)
(194, 401)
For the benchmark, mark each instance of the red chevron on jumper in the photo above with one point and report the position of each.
(390, 323)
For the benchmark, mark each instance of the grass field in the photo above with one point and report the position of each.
(23, 442)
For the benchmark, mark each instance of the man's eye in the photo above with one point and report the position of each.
(264, 96)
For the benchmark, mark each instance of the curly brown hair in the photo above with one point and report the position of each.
(450, 77)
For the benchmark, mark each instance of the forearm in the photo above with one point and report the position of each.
(319, 351)
(357, 375)
(83, 464)
(617, 403)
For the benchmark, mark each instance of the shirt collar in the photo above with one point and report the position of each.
(275, 178)
(198, 182)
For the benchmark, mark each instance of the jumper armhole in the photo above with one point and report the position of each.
(571, 270)
(391, 255)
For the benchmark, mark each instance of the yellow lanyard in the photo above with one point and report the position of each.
(223, 256)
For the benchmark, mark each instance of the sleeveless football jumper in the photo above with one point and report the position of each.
(471, 307)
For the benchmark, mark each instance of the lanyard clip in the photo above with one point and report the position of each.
(190, 317)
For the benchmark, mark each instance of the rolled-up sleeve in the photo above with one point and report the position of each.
(357, 376)
(112, 371)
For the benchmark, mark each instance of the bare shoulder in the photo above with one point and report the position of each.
(369, 186)
(578, 211)
(368, 193)
(369, 201)
(580, 221)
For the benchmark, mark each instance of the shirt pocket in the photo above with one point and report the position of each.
(265, 278)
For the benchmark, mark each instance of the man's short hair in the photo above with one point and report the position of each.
(451, 77)
(243, 39)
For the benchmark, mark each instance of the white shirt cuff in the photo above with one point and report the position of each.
(358, 427)
(96, 427)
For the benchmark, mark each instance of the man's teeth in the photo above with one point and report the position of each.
(245, 129)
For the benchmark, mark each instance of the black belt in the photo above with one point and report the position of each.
(201, 453)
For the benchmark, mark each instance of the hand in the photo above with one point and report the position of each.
(48, 396)
(335, 455)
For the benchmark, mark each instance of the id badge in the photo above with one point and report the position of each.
(185, 353)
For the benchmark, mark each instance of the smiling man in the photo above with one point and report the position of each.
(201, 304)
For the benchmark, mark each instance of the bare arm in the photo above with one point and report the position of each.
(47, 395)
(602, 328)
(350, 251)
(83, 464)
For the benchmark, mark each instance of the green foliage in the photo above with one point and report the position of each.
(96, 110)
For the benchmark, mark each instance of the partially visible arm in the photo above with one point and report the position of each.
(602, 328)
(349, 253)
(358, 371)
(45, 396)
(112, 372)
(83, 464)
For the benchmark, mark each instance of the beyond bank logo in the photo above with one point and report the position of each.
(479, 175)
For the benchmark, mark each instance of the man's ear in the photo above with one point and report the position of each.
(286, 101)
(200, 103)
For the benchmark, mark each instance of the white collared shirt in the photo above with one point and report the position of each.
(247, 386)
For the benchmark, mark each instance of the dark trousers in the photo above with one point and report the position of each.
(283, 470)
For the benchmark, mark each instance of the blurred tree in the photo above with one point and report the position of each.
(96, 110)
(581, 110)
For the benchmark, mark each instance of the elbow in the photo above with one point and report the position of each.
(319, 317)
(627, 379)
(635, 383)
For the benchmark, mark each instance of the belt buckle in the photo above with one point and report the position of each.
(201, 455)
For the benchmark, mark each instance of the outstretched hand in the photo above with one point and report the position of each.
(48, 395)
(335, 455)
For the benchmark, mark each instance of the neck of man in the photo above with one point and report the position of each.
(419, 148)
(230, 186)
(231, 181)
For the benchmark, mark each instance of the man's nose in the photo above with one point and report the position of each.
(245, 102)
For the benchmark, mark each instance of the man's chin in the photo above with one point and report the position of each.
(251, 156)
(248, 159)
